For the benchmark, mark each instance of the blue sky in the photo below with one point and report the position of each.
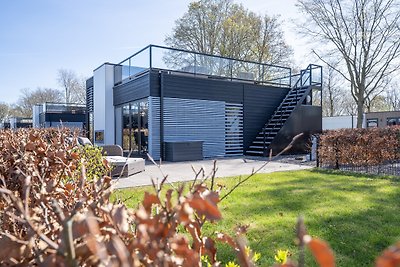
(39, 37)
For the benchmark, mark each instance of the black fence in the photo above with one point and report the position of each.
(390, 168)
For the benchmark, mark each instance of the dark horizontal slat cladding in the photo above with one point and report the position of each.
(89, 99)
(190, 87)
(137, 88)
(57, 117)
(89, 82)
(154, 83)
(306, 120)
(259, 104)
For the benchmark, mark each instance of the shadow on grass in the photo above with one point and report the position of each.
(355, 174)
(358, 217)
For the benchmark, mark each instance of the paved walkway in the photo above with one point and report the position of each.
(182, 171)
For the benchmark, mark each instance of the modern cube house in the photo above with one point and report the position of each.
(175, 104)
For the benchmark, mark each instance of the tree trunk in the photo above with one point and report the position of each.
(360, 113)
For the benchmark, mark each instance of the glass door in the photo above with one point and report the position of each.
(135, 129)
(144, 126)
(134, 137)
(126, 127)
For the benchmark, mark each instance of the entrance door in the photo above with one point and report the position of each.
(135, 128)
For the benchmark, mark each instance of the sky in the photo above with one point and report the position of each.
(39, 37)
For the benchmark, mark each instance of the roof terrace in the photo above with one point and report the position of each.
(154, 57)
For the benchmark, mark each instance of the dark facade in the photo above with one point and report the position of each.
(229, 114)
(70, 115)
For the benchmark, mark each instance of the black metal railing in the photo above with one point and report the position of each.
(184, 61)
(311, 76)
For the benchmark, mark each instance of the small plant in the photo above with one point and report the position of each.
(281, 256)
(95, 165)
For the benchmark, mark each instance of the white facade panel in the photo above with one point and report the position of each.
(103, 83)
(339, 122)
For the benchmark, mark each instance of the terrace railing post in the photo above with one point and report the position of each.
(231, 69)
(263, 73)
(150, 57)
(195, 65)
(264, 149)
(129, 68)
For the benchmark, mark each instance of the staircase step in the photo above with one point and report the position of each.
(278, 120)
(282, 114)
(298, 93)
(255, 147)
(269, 129)
(261, 137)
(261, 142)
(255, 152)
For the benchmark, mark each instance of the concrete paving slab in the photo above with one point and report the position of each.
(226, 167)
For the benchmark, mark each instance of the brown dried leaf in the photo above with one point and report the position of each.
(227, 239)
(390, 257)
(120, 217)
(206, 205)
(149, 200)
(11, 249)
(321, 252)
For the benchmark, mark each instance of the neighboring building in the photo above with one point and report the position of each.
(169, 102)
(371, 119)
(382, 119)
(339, 122)
(16, 122)
(70, 115)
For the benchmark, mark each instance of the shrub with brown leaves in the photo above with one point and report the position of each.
(359, 147)
(52, 215)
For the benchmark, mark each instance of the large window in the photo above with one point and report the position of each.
(135, 129)
(372, 123)
(393, 121)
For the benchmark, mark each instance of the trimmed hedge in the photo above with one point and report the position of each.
(359, 147)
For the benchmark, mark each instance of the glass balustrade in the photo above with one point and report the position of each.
(182, 61)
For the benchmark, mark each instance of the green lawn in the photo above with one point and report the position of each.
(358, 215)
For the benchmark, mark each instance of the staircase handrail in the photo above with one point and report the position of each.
(295, 88)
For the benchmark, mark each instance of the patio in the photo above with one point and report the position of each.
(226, 167)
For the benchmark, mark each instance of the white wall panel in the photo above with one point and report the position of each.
(103, 83)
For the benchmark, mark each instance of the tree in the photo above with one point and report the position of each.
(74, 87)
(333, 95)
(4, 111)
(30, 98)
(393, 97)
(221, 27)
(363, 34)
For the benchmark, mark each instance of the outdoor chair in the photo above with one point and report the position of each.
(122, 166)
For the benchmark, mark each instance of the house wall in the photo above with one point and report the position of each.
(190, 112)
(103, 82)
(306, 119)
(137, 88)
(382, 117)
(259, 101)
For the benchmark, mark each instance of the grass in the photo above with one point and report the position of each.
(358, 215)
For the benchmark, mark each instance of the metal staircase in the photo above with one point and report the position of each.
(302, 85)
